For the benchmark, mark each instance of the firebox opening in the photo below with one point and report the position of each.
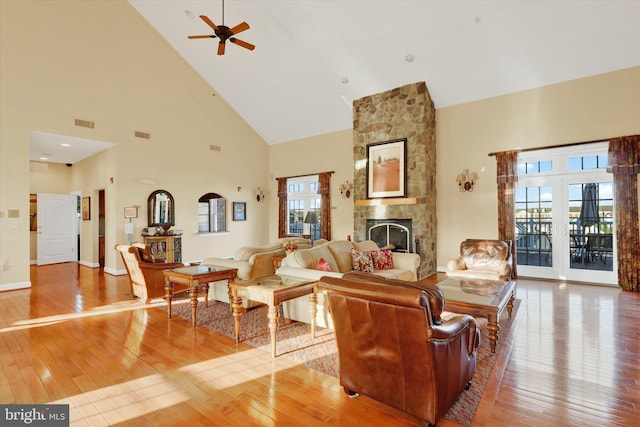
(394, 234)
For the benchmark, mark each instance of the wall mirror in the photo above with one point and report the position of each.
(160, 209)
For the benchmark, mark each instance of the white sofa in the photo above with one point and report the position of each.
(337, 254)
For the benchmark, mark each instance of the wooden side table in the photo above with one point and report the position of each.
(273, 291)
(194, 277)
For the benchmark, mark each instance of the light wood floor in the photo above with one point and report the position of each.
(75, 337)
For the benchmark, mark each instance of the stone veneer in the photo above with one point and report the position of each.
(404, 112)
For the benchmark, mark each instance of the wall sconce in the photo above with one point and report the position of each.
(466, 180)
(345, 189)
(260, 195)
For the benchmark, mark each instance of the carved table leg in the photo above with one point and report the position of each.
(493, 328)
(168, 295)
(510, 304)
(236, 309)
(193, 293)
(273, 324)
(313, 300)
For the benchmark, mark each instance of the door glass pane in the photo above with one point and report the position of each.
(591, 226)
(534, 226)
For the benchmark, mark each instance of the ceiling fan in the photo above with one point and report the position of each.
(225, 33)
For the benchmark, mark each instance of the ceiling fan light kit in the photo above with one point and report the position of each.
(225, 33)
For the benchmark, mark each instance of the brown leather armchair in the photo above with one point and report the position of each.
(145, 272)
(391, 349)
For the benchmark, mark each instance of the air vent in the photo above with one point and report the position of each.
(85, 123)
(214, 147)
(143, 135)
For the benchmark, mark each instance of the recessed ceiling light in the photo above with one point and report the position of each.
(188, 14)
(64, 144)
(409, 57)
(344, 80)
(44, 158)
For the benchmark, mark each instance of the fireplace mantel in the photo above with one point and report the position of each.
(388, 202)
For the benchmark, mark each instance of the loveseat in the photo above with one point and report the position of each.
(482, 259)
(334, 259)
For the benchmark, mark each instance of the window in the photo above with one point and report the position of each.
(212, 213)
(302, 197)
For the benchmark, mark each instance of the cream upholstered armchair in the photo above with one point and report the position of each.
(482, 259)
(145, 272)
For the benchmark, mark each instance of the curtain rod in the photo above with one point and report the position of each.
(524, 150)
(306, 174)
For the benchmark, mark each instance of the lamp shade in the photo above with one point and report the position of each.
(311, 218)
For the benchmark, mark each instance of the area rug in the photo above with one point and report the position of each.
(294, 342)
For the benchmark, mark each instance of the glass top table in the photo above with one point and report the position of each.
(479, 297)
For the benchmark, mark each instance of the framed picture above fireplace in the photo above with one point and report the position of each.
(386, 169)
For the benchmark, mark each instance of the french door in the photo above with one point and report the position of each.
(564, 216)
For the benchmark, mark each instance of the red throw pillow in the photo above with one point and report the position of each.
(323, 265)
(361, 261)
(382, 260)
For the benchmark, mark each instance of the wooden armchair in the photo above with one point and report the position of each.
(145, 272)
(391, 349)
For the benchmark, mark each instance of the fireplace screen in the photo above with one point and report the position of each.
(394, 234)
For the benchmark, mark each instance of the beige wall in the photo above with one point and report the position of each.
(58, 62)
(588, 109)
(323, 153)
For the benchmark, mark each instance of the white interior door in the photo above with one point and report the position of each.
(56, 228)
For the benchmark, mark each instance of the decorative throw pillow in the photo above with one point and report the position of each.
(361, 261)
(323, 265)
(382, 259)
(147, 254)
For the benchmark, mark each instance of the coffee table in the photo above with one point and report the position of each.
(194, 277)
(272, 290)
(480, 298)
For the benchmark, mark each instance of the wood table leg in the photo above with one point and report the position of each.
(193, 293)
(313, 300)
(510, 304)
(168, 295)
(273, 325)
(236, 310)
(493, 326)
(206, 294)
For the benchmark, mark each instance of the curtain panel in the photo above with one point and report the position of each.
(282, 207)
(324, 179)
(624, 163)
(507, 176)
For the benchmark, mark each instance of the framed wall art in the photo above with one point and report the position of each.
(86, 208)
(239, 211)
(386, 169)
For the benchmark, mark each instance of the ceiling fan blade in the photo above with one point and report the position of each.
(209, 22)
(242, 43)
(202, 37)
(240, 28)
(221, 46)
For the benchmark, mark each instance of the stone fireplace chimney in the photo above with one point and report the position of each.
(404, 112)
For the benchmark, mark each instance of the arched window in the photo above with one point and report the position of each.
(212, 216)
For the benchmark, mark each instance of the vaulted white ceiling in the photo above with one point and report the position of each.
(292, 85)
(314, 57)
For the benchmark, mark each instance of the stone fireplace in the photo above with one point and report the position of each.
(404, 112)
